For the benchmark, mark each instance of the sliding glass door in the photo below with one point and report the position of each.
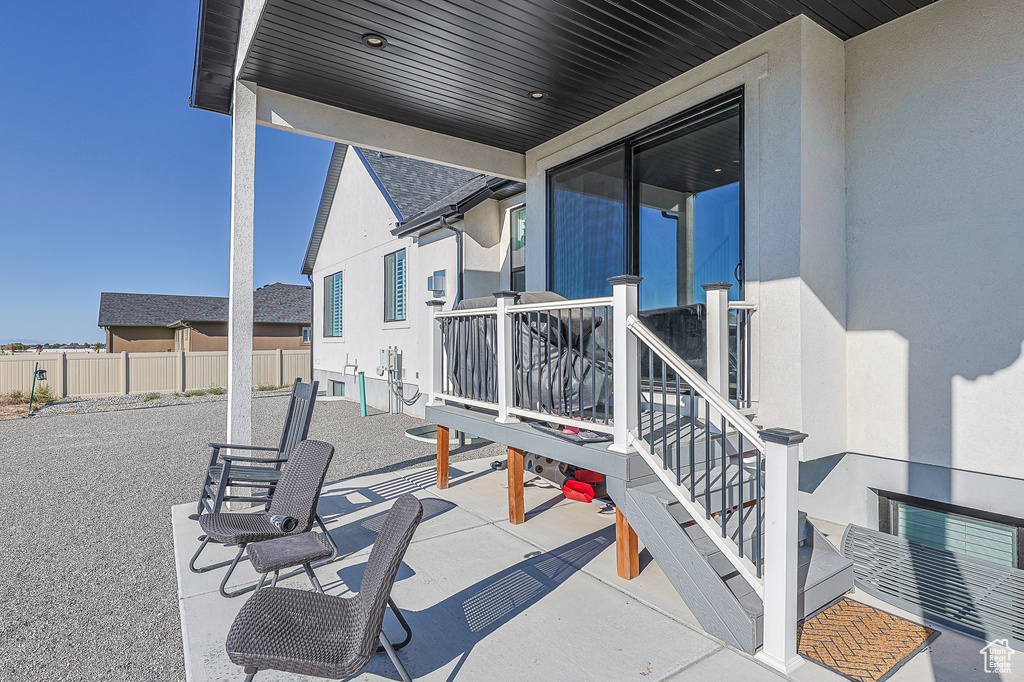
(686, 203)
(665, 204)
(588, 225)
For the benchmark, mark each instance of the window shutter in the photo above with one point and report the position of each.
(400, 285)
(338, 288)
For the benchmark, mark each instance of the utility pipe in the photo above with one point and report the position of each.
(362, 395)
(458, 258)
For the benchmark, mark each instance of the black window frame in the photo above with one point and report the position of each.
(631, 213)
(888, 516)
(512, 271)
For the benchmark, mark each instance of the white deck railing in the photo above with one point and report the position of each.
(553, 362)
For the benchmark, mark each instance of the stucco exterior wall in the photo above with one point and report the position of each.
(357, 237)
(935, 166)
(204, 336)
(140, 339)
(794, 257)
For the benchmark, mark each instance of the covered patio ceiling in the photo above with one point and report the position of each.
(469, 68)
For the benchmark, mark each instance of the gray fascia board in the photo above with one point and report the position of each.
(417, 225)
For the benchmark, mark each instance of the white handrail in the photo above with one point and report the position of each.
(472, 312)
(699, 383)
(742, 305)
(712, 530)
(467, 401)
(583, 424)
(600, 302)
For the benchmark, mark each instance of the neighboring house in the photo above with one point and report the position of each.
(376, 240)
(853, 168)
(161, 322)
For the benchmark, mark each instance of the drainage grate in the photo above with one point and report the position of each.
(974, 596)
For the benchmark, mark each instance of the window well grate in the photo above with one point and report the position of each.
(978, 597)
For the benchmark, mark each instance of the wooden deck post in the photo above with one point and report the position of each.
(442, 456)
(627, 556)
(516, 505)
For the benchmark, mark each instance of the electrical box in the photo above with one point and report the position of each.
(435, 283)
(390, 361)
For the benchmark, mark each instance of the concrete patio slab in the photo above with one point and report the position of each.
(495, 601)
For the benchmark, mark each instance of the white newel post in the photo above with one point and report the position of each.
(436, 353)
(240, 314)
(625, 371)
(717, 295)
(781, 478)
(505, 359)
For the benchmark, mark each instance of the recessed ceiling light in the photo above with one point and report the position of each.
(377, 42)
(718, 170)
(538, 96)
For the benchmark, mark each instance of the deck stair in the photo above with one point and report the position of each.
(711, 495)
(722, 601)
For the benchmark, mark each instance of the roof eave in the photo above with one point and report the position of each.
(420, 224)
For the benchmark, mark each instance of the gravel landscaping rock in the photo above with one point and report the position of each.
(135, 401)
(89, 589)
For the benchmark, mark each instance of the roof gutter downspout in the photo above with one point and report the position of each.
(458, 257)
(311, 319)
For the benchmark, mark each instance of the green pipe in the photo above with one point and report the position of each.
(362, 395)
(33, 395)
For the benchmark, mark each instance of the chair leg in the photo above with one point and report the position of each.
(227, 576)
(211, 567)
(334, 545)
(401, 621)
(394, 658)
(250, 672)
(312, 578)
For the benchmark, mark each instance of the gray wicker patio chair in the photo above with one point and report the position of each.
(260, 473)
(322, 635)
(298, 493)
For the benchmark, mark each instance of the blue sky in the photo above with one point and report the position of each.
(110, 182)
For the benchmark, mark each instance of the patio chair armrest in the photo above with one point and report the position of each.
(229, 446)
(260, 460)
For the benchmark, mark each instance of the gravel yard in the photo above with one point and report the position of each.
(88, 589)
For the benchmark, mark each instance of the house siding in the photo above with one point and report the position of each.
(935, 142)
(355, 241)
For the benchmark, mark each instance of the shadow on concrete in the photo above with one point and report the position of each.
(450, 629)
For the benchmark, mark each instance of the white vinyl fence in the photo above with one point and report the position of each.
(87, 375)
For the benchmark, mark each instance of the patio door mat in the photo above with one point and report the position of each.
(860, 642)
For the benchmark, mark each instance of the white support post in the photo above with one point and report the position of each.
(436, 353)
(625, 369)
(781, 476)
(240, 315)
(718, 336)
(506, 361)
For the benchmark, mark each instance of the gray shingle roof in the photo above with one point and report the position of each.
(410, 187)
(272, 304)
(412, 184)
